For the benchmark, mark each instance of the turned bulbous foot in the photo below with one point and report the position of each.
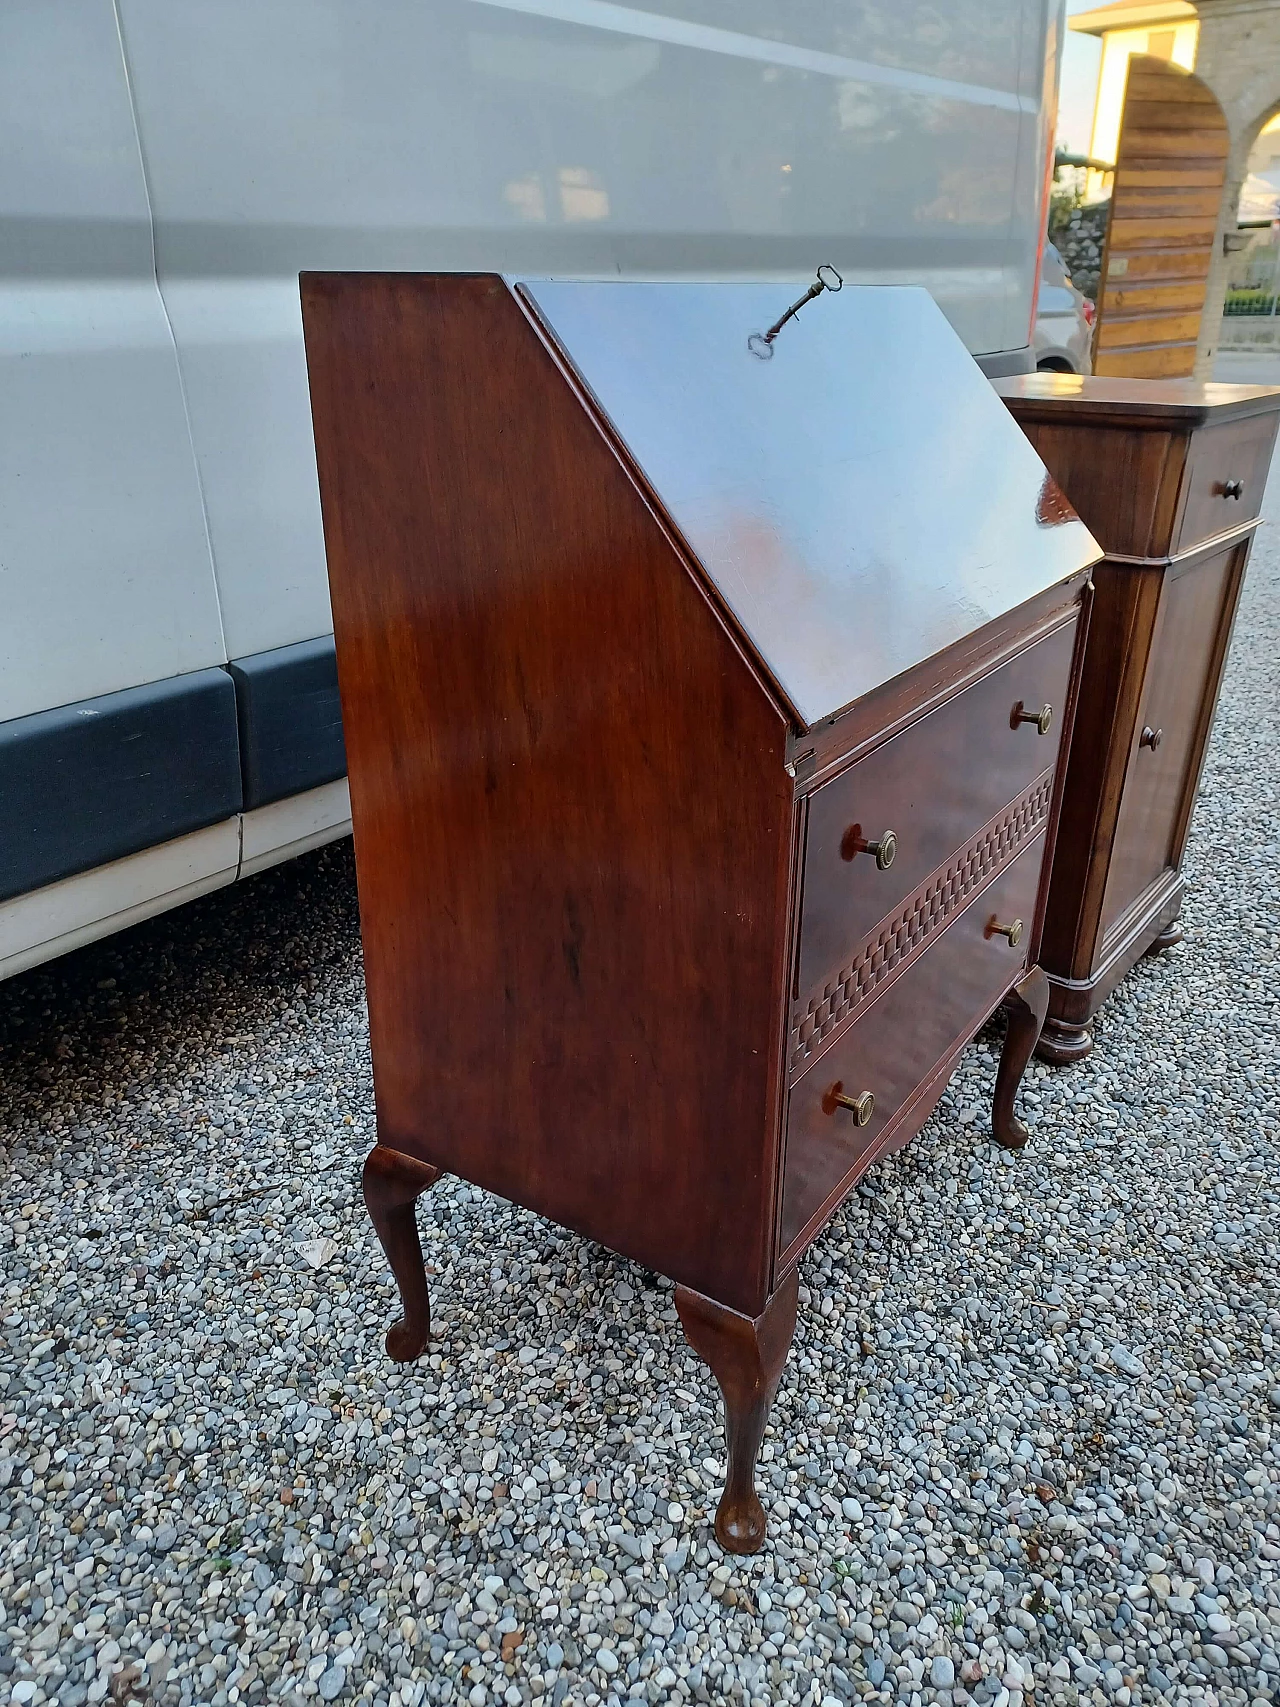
(1169, 937)
(1061, 1043)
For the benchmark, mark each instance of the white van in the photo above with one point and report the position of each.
(168, 708)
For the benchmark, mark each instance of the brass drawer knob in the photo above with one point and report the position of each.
(1012, 932)
(861, 1107)
(1151, 737)
(1043, 719)
(883, 851)
(1232, 488)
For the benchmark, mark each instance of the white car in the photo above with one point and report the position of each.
(169, 715)
(1064, 320)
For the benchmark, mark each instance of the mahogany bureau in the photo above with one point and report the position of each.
(703, 706)
(1169, 476)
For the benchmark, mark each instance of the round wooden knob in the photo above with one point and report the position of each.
(1013, 932)
(1151, 737)
(861, 1107)
(1043, 719)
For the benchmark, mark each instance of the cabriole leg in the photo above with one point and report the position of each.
(1028, 1002)
(746, 1357)
(392, 1185)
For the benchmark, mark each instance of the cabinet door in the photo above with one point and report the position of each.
(1187, 654)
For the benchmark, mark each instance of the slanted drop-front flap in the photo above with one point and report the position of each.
(860, 501)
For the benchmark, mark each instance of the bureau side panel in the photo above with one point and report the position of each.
(572, 818)
(1122, 481)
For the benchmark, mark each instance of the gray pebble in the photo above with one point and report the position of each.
(1126, 1362)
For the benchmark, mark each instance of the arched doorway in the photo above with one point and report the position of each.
(1171, 164)
(1251, 294)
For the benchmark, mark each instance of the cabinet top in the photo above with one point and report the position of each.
(1156, 403)
(859, 501)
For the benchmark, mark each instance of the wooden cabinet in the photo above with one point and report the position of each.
(1169, 475)
(703, 715)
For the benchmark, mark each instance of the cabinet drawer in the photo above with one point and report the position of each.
(1221, 461)
(935, 786)
(900, 1039)
(1183, 671)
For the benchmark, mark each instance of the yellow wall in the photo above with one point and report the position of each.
(1266, 150)
(1117, 45)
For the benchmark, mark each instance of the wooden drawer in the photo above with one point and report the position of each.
(935, 785)
(1178, 696)
(1221, 460)
(893, 1047)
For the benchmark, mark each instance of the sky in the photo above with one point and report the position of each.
(1081, 56)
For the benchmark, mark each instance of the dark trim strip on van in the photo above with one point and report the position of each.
(106, 777)
(290, 720)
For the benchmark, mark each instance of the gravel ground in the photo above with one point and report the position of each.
(1025, 1448)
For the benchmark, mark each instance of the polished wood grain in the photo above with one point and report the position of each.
(1184, 404)
(1225, 477)
(607, 868)
(746, 1355)
(831, 746)
(568, 790)
(1171, 162)
(1169, 446)
(1146, 463)
(922, 786)
(850, 542)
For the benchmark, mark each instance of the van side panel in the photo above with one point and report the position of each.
(105, 578)
(547, 137)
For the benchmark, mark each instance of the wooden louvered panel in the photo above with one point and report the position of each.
(1169, 115)
(1147, 81)
(1170, 167)
(1150, 296)
(1141, 330)
(1159, 231)
(1154, 361)
(1165, 174)
(1152, 266)
(1173, 142)
(1138, 201)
